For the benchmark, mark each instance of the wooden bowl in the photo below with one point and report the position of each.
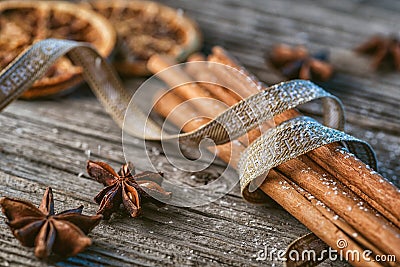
(24, 22)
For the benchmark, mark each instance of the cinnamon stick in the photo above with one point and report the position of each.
(344, 203)
(230, 97)
(175, 101)
(182, 82)
(278, 119)
(285, 194)
(365, 182)
(202, 73)
(294, 113)
(297, 205)
(165, 103)
(334, 218)
(368, 181)
(184, 85)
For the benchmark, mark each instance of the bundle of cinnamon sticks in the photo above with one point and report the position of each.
(329, 190)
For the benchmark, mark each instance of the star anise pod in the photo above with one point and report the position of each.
(296, 62)
(63, 233)
(383, 49)
(126, 187)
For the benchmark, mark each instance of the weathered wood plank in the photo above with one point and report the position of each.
(46, 142)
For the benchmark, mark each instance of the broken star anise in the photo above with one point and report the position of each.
(383, 49)
(296, 62)
(63, 233)
(126, 187)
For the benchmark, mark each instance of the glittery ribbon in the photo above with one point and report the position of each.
(291, 139)
(234, 122)
(277, 145)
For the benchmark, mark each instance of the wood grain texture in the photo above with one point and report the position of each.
(47, 142)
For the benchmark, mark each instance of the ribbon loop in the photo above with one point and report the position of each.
(277, 145)
(35, 61)
(289, 140)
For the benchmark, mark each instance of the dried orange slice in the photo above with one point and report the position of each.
(24, 22)
(145, 28)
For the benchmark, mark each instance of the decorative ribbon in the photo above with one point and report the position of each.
(289, 140)
(234, 122)
(286, 141)
(277, 145)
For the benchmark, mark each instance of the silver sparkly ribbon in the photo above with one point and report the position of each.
(234, 122)
(288, 140)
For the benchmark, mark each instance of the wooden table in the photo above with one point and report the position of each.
(46, 143)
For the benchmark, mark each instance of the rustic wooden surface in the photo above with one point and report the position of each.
(46, 143)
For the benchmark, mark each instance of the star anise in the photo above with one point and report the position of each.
(296, 62)
(63, 233)
(383, 49)
(126, 187)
